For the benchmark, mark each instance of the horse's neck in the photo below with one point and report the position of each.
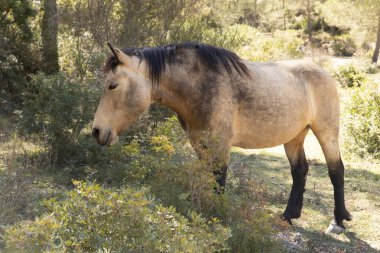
(174, 95)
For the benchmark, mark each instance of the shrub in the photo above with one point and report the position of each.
(370, 68)
(350, 76)
(12, 81)
(265, 47)
(343, 46)
(17, 58)
(244, 208)
(92, 218)
(362, 122)
(230, 37)
(32, 236)
(172, 172)
(56, 109)
(250, 43)
(79, 58)
(169, 169)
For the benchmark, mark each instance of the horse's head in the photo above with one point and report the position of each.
(126, 95)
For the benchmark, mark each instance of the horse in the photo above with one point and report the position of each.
(222, 101)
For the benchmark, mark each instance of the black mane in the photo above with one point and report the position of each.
(157, 57)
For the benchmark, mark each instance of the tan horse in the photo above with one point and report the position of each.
(223, 101)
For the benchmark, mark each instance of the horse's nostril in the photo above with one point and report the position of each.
(95, 132)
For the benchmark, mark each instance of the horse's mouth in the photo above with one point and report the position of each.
(108, 143)
(111, 139)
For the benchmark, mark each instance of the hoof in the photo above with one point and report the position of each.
(219, 190)
(286, 218)
(334, 228)
(348, 217)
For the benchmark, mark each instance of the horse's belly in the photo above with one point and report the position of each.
(255, 133)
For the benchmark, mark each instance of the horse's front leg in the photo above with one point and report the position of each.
(216, 155)
(220, 167)
(220, 174)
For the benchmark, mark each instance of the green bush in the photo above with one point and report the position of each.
(12, 81)
(350, 76)
(79, 58)
(92, 218)
(57, 109)
(32, 236)
(362, 122)
(17, 58)
(269, 47)
(343, 46)
(230, 37)
(244, 208)
(164, 160)
(164, 164)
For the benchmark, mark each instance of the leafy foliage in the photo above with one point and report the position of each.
(244, 209)
(343, 46)
(350, 76)
(362, 122)
(15, 50)
(33, 236)
(58, 109)
(262, 47)
(93, 218)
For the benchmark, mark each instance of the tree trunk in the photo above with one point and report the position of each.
(284, 17)
(49, 32)
(309, 30)
(377, 47)
(255, 15)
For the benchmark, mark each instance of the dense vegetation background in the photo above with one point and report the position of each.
(60, 191)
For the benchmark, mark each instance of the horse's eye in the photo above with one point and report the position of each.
(112, 86)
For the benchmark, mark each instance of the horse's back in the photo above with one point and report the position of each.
(319, 86)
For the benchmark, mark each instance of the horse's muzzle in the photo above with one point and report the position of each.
(95, 132)
(103, 137)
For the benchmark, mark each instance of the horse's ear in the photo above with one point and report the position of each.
(123, 58)
(119, 55)
(113, 51)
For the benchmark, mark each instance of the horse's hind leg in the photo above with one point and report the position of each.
(299, 167)
(328, 138)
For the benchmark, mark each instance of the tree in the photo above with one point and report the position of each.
(16, 58)
(49, 32)
(373, 7)
(377, 47)
(284, 16)
(309, 29)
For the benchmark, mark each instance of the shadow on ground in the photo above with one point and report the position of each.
(329, 243)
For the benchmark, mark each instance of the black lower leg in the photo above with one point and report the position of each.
(336, 173)
(220, 177)
(299, 172)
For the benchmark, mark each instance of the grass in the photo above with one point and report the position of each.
(362, 197)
